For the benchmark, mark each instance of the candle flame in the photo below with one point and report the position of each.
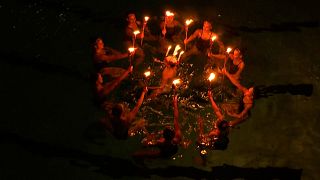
(169, 13)
(189, 21)
(181, 52)
(136, 32)
(176, 49)
(203, 152)
(229, 49)
(213, 38)
(176, 81)
(131, 49)
(146, 18)
(211, 77)
(168, 50)
(147, 73)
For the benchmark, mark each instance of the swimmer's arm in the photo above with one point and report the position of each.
(110, 87)
(215, 106)
(135, 110)
(193, 36)
(112, 57)
(234, 81)
(177, 129)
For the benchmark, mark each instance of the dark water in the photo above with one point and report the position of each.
(47, 106)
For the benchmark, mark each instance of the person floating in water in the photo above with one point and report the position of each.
(105, 56)
(119, 119)
(245, 105)
(133, 36)
(217, 138)
(168, 74)
(167, 145)
(171, 31)
(103, 89)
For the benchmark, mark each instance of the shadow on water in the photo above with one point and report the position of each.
(110, 166)
(299, 89)
(279, 27)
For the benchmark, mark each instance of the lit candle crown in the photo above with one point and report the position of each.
(211, 77)
(189, 21)
(168, 13)
(229, 49)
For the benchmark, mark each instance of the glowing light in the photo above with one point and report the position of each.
(147, 73)
(213, 38)
(168, 13)
(181, 52)
(131, 49)
(189, 21)
(146, 18)
(168, 50)
(176, 49)
(136, 32)
(176, 81)
(203, 152)
(211, 77)
(229, 49)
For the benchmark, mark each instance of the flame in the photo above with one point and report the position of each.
(211, 77)
(189, 21)
(169, 13)
(168, 50)
(136, 32)
(176, 49)
(181, 52)
(131, 49)
(203, 152)
(147, 73)
(213, 38)
(176, 81)
(229, 49)
(146, 18)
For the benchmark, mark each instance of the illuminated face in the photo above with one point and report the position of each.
(169, 19)
(131, 18)
(207, 26)
(99, 44)
(236, 52)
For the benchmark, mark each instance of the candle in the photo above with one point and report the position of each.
(168, 50)
(176, 49)
(135, 36)
(180, 55)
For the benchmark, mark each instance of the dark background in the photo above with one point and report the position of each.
(46, 100)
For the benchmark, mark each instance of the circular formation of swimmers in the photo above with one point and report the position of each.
(173, 55)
